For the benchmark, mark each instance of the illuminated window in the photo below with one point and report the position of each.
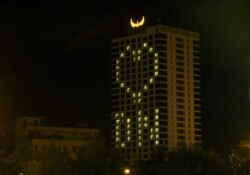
(139, 112)
(140, 137)
(139, 94)
(122, 114)
(156, 129)
(123, 145)
(145, 87)
(146, 118)
(156, 60)
(139, 125)
(117, 127)
(122, 54)
(134, 95)
(117, 79)
(116, 115)
(156, 54)
(151, 136)
(150, 49)
(128, 120)
(139, 51)
(139, 119)
(157, 136)
(128, 139)
(145, 125)
(151, 80)
(156, 117)
(117, 139)
(139, 58)
(156, 67)
(128, 47)
(122, 85)
(117, 61)
(134, 58)
(128, 132)
(139, 144)
(118, 121)
(156, 123)
(117, 73)
(128, 90)
(128, 126)
(116, 133)
(156, 111)
(151, 130)
(139, 100)
(156, 73)
(117, 67)
(140, 131)
(157, 142)
(133, 52)
(145, 44)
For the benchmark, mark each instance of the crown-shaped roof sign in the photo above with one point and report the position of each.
(137, 23)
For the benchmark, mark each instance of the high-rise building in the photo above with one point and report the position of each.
(156, 95)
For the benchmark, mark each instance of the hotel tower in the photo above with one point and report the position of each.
(156, 95)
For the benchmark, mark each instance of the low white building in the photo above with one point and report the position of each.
(30, 132)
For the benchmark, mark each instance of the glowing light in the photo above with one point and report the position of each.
(156, 117)
(122, 55)
(137, 23)
(151, 80)
(145, 44)
(134, 52)
(126, 171)
(128, 139)
(128, 47)
(156, 60)
(151, 49)
(128, 120)
(157, 142)
(134, 95)
(156, 54)
(128, 90)
(156, 129)
(139, 51)
(156, 111)
(122, 85)
(139, 144)
(145, 125)
(145, 87)
(123, 145)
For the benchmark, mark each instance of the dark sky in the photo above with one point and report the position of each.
(55, 57)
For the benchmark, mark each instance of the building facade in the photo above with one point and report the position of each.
(32, 133)
(156, 95)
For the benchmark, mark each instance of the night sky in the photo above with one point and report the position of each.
(55, 60)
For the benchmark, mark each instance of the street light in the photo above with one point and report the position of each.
(126, 171)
